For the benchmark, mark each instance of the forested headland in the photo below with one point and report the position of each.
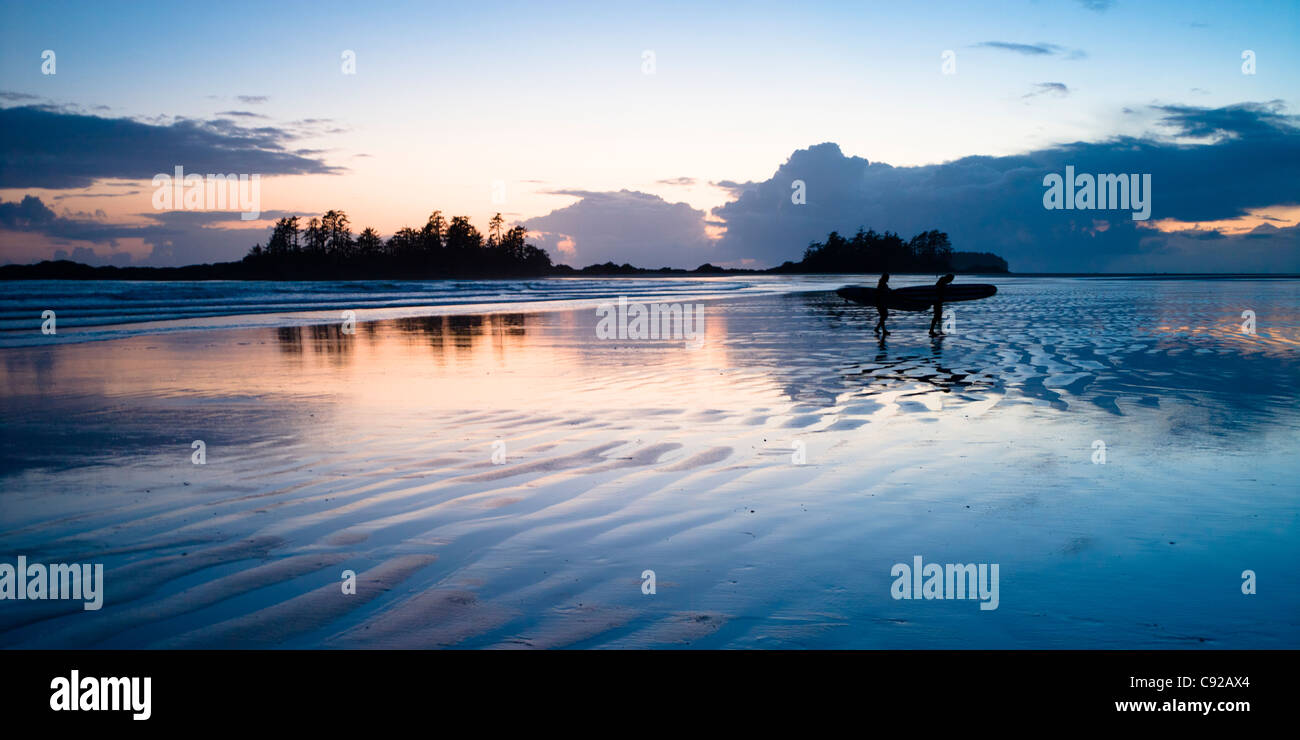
(870, 251)
(325, 248)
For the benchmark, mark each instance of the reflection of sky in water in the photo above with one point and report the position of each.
(1089, 349)
(973, 447)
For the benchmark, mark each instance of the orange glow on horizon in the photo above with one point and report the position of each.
(1278, 216)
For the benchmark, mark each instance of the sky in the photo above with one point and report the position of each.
(660, 133)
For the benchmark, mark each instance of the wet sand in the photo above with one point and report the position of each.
(373, 452)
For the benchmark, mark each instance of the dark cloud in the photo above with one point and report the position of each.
(44, 147)
(24, 214)
(240, 113)
(16, 97)
(32, 215)
(996, 203)
(193, 237)
(95, 195)
(1262, 121)
(623, 226)
(88, 256)
(176, 237)
(1266, 248)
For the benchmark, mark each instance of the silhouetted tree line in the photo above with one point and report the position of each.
(978, 262)
(873, 251)
(611, 268)
(325, 247)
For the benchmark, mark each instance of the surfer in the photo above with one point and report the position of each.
(882, 297)
(938, 304)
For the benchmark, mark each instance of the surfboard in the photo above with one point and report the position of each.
(918, 297)
(867, 297)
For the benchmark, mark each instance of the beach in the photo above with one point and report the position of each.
(505, 478)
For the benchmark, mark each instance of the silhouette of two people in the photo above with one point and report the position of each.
(882, 304)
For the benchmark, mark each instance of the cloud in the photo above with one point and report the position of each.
(623, 226)
(682, 181)
(46, 147)
(175, 237)
(1026, 49)
(240, 113)
(1043, 88)
(1098, 6)
(1033, 50)
(1255, 120)
(194, 237)
(1206, 165)
(88, 256)
(252, 99)
(1266, 248)
(15, 97)
(734, 188)
(25, 214)
(996, 203)
(95, 195)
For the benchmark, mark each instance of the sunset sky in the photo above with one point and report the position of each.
(598, 152)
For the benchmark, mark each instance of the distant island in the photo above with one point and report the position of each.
(325, 249)
(872, 252)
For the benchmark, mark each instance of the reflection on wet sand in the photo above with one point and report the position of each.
(441, 332)
(374, 451)
(1011, 345)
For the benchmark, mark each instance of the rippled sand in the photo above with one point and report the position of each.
(374, 452)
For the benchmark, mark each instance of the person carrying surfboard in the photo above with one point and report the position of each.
(939, 287)
(882, 297)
